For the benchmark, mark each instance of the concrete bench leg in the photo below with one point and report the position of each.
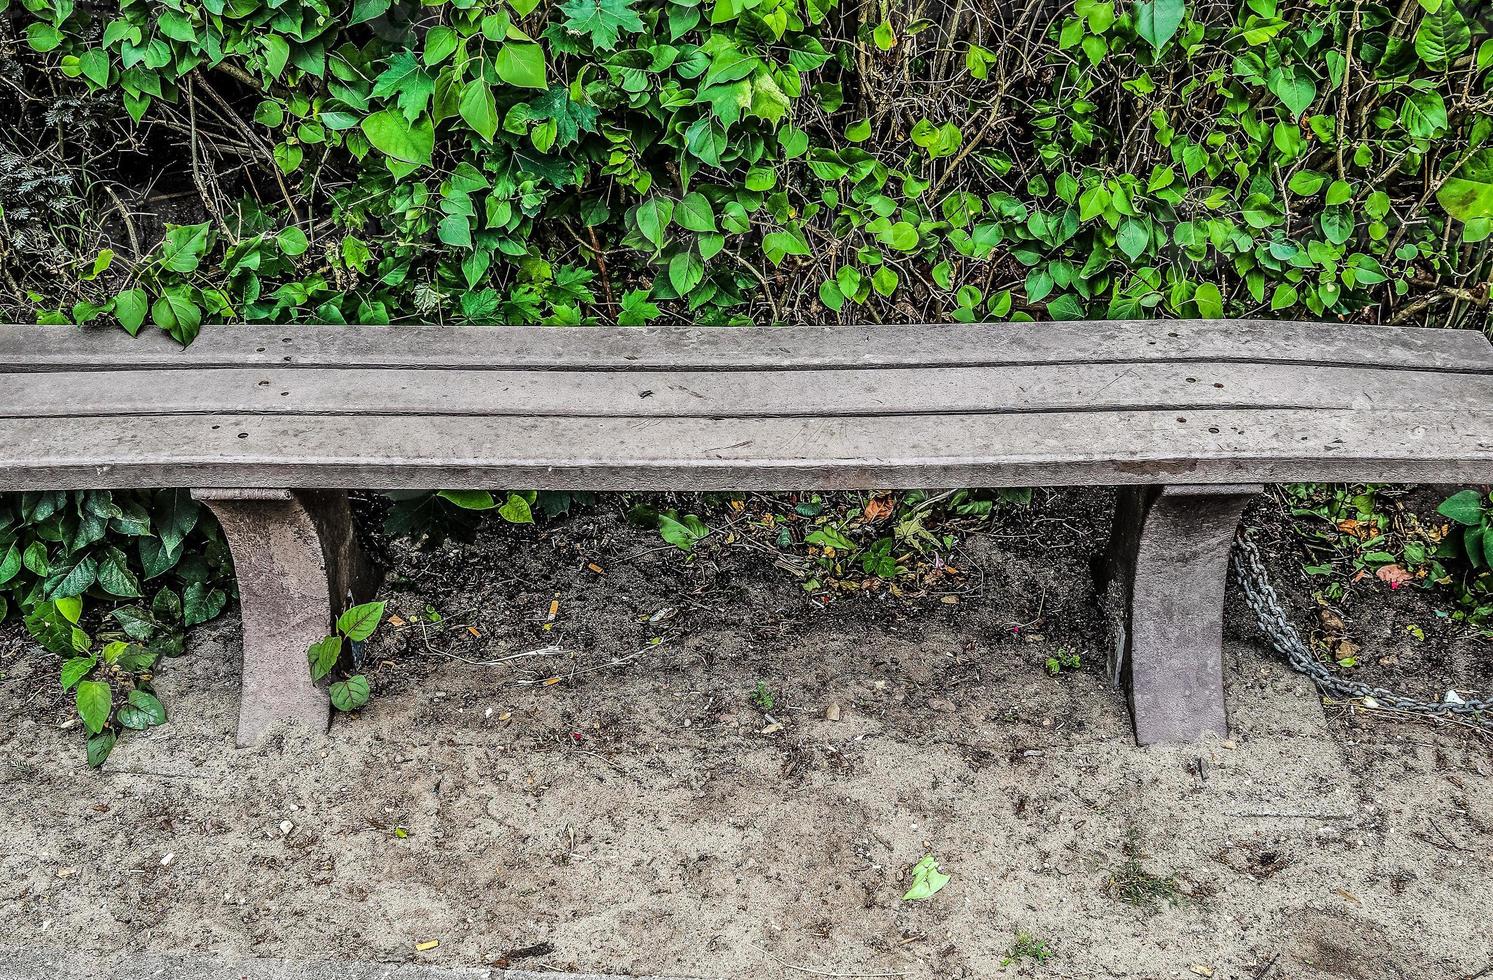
(1169, 560)
(298, 567)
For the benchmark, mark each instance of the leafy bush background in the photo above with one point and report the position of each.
(169, 164)
(731, 160)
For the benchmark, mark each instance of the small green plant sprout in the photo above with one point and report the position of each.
(927, 880)
(763, 697)
(1135, 886)
(1065, 659)
(356, 625)
(1027, 947)
(682, 532)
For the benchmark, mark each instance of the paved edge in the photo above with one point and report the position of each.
(55, 964)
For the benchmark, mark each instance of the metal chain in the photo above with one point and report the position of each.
(1275, 623)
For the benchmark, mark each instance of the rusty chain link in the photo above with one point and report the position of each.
(1275, 623)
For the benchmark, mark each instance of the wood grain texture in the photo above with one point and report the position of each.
(737, 394)
(1065, 448)
(45, 348)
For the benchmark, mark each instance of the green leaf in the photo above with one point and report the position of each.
(408, 142)
(521, 63)
(359, 622)
(1157, 20)
(1294, 85)
(99, 748)
(516, 510)
(602, 20)
(478, 108)
(902, 236)
(10, 564)
(142, 710)
(469, 499)
(1209, 301)
(276, 53)
(183, 247)
(1465, 507)
(115, 576)
(831, 296)
(75, 669)
(175, 312)
(684, 533)
(1443, 35)
(322, 656)
(685, 271)
(695, 213)
(1306, 182)
(366, 10)
(653, 217)
(927, 880)
(1469, 195)
(95, 65)
(72, 578)
(351, 694)
(42, 36)
(94, 701)
(1133, 237)
(201, 603)
(1424, 114)
(130, 308)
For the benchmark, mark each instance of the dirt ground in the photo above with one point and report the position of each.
(642, 815)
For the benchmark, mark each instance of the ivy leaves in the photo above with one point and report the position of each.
(603, 21)
(1443, 35)
(1468, 195)
(1157, 20)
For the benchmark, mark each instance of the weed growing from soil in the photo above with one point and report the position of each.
(763, 697)
(1027, 947)
(1132, 884)
(1066, 659)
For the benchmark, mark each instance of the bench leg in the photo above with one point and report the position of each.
(1169, 561)
(298, 566)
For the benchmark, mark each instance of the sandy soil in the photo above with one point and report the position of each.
(644, 816)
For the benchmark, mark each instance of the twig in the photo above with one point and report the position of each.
(207, 199)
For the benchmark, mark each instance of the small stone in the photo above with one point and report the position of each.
(286, 827)
(941, 704)
(832, 713)
(66, 872)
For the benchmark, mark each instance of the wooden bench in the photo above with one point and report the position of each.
(270, 426)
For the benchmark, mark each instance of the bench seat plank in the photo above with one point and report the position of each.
(33, 348)
(1060, 448)
(738, 394)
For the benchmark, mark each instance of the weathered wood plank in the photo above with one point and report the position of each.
(1105, 448)
(41, 348)
(739, 394)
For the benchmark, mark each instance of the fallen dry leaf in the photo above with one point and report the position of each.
(879, 509)
(1394, 575)
(1346, 895)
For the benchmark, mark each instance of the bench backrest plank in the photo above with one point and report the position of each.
(745, 408)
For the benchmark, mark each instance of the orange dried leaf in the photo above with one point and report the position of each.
(1394, 575)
